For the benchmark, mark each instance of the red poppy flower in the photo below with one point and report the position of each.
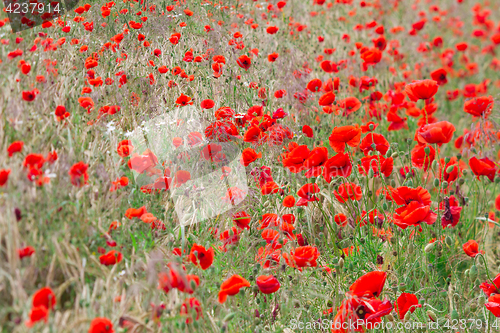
(111, 258)
(378, 164)
(307, 192)
(15, 147)
(337, 166)
(327, 99)
(451, 210)
(406, 302)
(349, 191)
(244, 62)
(420, 158)
(340, 219)
(78, 174)
(348, 105)
(37, 314)
(471, 248)
(294, 160)
(416, 206)
(493, 305)
(29, 96)
(181, 177)
(439, 75)
(183, 100)
(268, 284)
(4, 176)
(303, 256)
(26, 252)
(315, 161)
(207, 104)
(307, 130)
(350, 135)
(248, 156)
(438, 133)
(483, 167)
(369, 285)
(272, 30)
(374, 141)
(44, 297)
(201, 257)
(479, 106)
(101, 325)
(314, 85)
(289, 201)
(231, 287)
(242, 220)
(423, 89)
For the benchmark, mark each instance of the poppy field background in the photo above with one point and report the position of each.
(369, 136)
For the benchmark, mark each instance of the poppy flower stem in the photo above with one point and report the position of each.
(487, 271)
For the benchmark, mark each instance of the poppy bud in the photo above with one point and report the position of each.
(461, 181)
(445, 184)
(431, 315)
(429, 247)
(446, 160)
(473, 307)
(370, 173)
(436, 182)
(193, 285)
(448, 240)
(410, 248)
(384, 206)
(341, 262)
(434, 164)
(481, 300)
(402, 288)
(407, 316)
(427, 150)
(450, 169)
(454, 314)
(395, 154)
(465, 172)
(459, 156)
(371, 127)
(229, 317)
(409, 183)
(473, 272)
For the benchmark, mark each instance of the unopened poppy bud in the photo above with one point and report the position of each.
(370, 173)
(341, 262)
(429, 247)
(371, 127)
(454, 314)
(434, 164)
(411, 248)
(384, 206)
(446, 160)
(431, 315)
(229, 317)
(459, 156)
(481, 300)
(473, 273)
(407, 316)
(402, 287)
(193, 285)
(445, 184)
(448, 240)
(427, 150)
(473, 306)
(450, 169)
(395, 154)
(409, 183)
(465, 172)
(436, 182)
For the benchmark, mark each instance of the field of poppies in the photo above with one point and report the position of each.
(355, 148)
